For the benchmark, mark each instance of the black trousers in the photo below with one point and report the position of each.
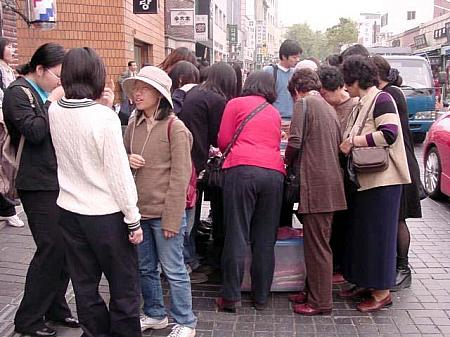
(252, 202)
(338, 239)
(47, 276)
(7, 208)
(218, 230)
(96, 244)
(287, 211)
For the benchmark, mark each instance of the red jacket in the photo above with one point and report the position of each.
(259, 142)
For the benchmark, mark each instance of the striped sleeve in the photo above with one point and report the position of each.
(386, 121)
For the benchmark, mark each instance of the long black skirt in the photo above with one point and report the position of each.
(370, 256)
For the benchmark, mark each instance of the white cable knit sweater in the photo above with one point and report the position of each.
(93, 170)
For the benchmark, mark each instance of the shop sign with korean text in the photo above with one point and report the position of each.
(201, 27)
(145, 6)
(182, 17)
(233, 34)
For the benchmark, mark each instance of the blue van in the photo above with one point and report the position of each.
(419, 90)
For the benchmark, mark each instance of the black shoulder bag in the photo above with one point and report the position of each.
(213, 172)
(292, 181)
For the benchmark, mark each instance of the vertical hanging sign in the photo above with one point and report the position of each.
(201, 27)
(145, 6)
(232, 34)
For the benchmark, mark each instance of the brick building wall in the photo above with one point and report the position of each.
(110, 27)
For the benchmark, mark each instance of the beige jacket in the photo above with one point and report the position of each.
(162, 183)
(397, 173)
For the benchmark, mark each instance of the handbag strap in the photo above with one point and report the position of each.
(36, 106)
(169, 126)
(367, 114)
(241, 126)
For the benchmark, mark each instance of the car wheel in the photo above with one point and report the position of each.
(432, 174)
(419, 137)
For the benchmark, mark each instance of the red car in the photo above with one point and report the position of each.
(437, 158)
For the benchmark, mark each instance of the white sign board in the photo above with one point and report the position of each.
(182, 17)
(201, 27)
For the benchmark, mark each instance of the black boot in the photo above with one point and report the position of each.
(403, 278)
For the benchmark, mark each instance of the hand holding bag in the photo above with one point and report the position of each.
(213, 172)
(291, 193)
(369, 159)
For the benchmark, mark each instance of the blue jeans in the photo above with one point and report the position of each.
(155, 250)
(189, 251)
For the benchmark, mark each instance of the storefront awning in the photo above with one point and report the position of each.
(436, 50)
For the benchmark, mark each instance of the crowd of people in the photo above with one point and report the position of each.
(127, 206)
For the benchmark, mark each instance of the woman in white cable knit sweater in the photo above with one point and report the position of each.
(99, 217)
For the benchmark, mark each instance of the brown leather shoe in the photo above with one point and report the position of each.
(338, 278)
(353, 293)
(307, 310)
(371, 305)
(299, 298)
(226, 305)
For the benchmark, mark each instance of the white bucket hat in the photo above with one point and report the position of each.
(153, 76)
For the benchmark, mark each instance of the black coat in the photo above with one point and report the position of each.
(37, 169)
(410, 201)
(202, 113)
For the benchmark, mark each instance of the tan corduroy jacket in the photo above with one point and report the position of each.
(397, 173)
(163, 181)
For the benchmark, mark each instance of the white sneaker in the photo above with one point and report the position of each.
(182, 331)
(153, 323)
(14, 221)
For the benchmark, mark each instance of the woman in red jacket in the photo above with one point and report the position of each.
(252, 191)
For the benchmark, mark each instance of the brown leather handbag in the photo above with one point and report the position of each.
(369, 159)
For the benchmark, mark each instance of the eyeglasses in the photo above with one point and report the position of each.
(143, 89)
(54, 75)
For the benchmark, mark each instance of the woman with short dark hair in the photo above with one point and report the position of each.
(314, 139)
(184, 76)
(252, 191)
(25, 110)
(77, 69)
(97, 198)
(369, 260)
(389, 81)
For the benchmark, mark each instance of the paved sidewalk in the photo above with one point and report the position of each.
(422, 310)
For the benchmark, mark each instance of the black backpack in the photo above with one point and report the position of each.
(275, 74)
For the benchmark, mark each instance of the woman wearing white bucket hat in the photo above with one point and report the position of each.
(159, 148)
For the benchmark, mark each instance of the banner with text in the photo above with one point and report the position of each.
(145, 6)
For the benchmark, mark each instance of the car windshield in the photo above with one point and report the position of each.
(415, 73)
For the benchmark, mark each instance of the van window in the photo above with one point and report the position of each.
(415, 73)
